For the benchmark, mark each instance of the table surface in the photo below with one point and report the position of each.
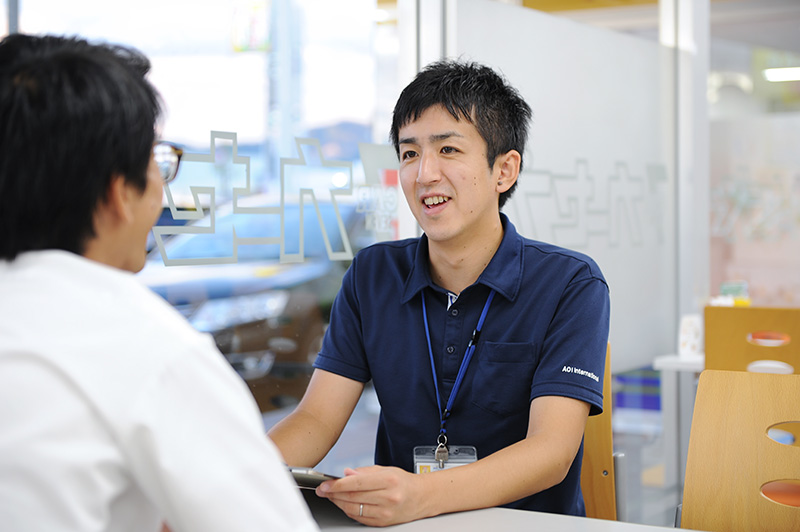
(329, 517)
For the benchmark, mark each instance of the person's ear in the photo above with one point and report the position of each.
(507, 166)
(118, 201)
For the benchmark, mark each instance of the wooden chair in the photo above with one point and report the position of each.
(598, 479)
(735, 337)
(732, 462)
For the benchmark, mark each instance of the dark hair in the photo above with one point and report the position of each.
(475, 93)
(72, 115)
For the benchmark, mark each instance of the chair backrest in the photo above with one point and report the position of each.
(736, 337)
(733, 467)
(597, 470)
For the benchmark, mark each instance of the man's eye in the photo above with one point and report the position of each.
(449, 149)
(408, 154)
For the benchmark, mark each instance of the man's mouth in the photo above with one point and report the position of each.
(435, 200)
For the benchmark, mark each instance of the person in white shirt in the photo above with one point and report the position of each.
(115, 414)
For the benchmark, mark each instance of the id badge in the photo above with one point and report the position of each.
(424, 461)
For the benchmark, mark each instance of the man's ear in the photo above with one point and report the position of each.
(507, 165)
(118, 200)
(113, 216)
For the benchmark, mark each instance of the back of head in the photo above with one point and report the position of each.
(472, 92)
(72, 115)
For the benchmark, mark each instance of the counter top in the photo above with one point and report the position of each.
(329, 517)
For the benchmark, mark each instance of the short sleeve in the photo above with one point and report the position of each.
(343, 351)
(572, 362)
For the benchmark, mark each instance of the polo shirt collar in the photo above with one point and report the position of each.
(504, 272)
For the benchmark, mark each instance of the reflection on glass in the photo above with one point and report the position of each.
(267, 317)
(272, 71)
(246, 225)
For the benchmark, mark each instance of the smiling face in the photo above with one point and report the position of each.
(447, 181)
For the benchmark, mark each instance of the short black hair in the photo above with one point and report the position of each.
(72, 115)
(472, 92)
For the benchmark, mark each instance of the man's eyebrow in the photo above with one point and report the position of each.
(437, 137)
(444, 136)
(407, 140)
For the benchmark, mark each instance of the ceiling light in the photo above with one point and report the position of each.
(782, 74)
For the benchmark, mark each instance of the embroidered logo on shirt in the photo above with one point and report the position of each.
(573, 369)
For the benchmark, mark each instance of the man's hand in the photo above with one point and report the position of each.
(377, 495)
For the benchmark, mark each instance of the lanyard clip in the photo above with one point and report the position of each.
(475, 335)
(441, 454)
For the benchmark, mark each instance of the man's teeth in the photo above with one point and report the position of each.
(434, 200)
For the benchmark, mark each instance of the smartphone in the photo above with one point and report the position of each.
(309, 479)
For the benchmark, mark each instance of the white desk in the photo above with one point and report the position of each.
(678, 388)
(329, 517)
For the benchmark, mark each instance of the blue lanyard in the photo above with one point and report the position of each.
(461, 371)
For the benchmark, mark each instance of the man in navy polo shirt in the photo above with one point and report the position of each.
(486, 349)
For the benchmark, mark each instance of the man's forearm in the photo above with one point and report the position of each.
(302, 439)
(306, 435)
(510, 474)
(534, 464)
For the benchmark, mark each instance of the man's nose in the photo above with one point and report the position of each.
(429, 169)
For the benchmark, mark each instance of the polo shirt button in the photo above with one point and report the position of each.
(454, 312)
(451, 349)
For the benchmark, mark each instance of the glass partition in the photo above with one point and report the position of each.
(755, 173)
(282, 108)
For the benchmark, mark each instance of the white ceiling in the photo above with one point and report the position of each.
(768, 23)
(764, 23)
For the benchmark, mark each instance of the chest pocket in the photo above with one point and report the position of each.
(503, 377)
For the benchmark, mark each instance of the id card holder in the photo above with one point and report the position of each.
(425, 462)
